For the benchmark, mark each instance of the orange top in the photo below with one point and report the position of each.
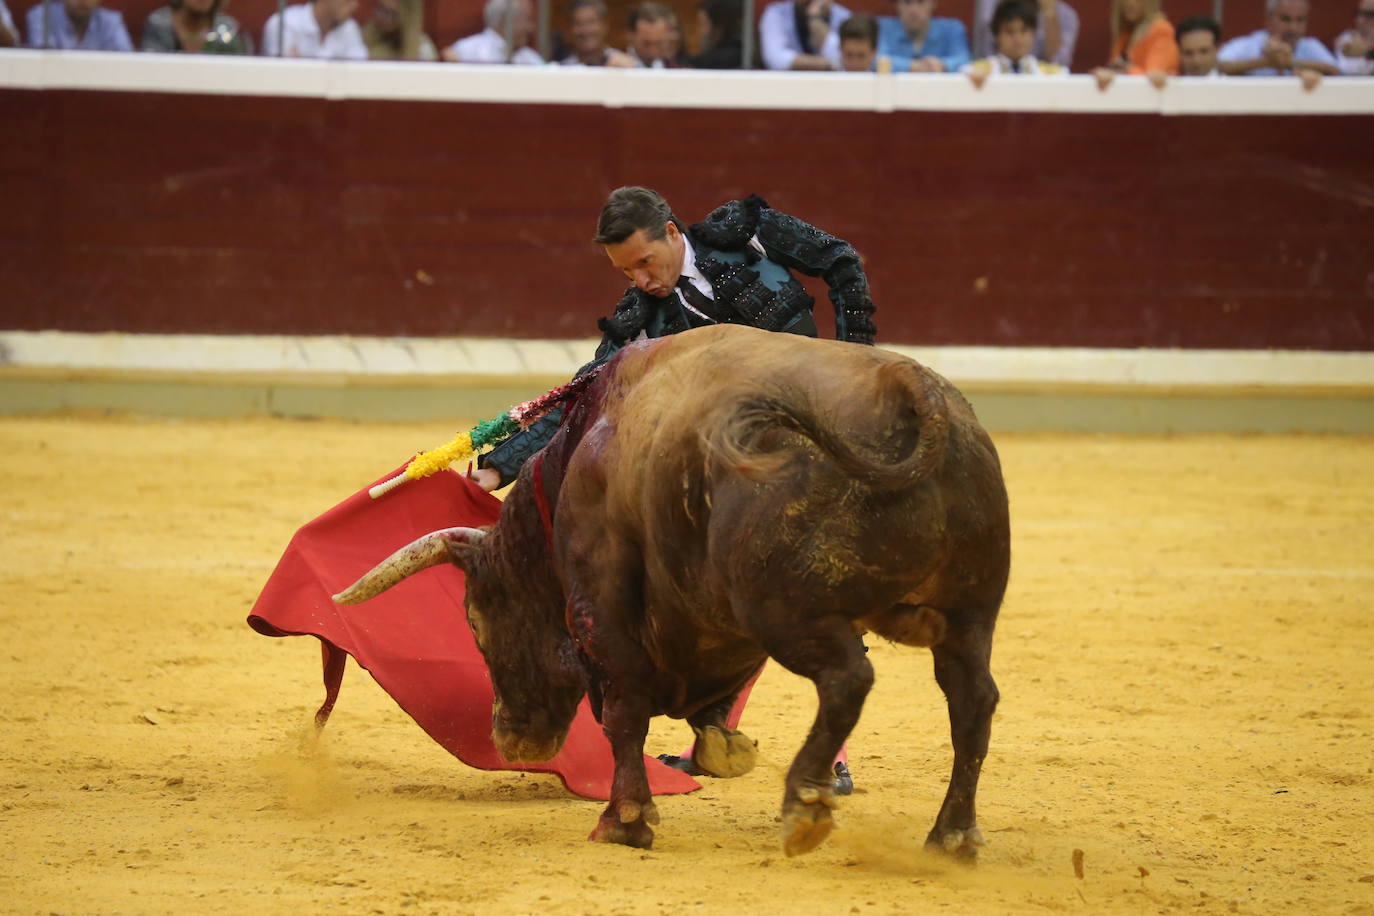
(1156, 50)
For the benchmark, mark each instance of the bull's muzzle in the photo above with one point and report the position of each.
(523, 743)
(421, 553)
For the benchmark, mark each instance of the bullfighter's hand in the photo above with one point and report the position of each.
(1104, 76)
(486, 478)
(1157, 78)
(1311, 79)
(927, 65)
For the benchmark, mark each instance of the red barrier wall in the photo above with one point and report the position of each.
(188, 213)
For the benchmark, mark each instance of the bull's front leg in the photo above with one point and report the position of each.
(961, 668)
(626, 820)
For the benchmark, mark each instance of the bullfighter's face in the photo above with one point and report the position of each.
(652, 265)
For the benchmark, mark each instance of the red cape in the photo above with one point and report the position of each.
(414, 638)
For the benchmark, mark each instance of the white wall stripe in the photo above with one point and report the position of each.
(616, 88)
(441, 360)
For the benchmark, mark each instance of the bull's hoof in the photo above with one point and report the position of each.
(807, 821)
(960, 844)
(626, 823)
(724, 752)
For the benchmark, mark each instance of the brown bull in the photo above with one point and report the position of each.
(723, 496)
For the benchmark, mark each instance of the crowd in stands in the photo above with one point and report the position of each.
(1034, 38)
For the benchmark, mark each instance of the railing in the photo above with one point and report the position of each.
(619, 88)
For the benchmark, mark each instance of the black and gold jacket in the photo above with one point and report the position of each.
(750, 288)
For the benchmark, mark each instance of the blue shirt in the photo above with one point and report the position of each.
(945, 39)
(104, 32)
(1249, 47)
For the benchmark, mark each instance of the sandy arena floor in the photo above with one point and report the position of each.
(1185, 660)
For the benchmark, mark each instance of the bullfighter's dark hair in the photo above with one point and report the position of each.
(630, 209)
(1013, 10)
(1199, 24)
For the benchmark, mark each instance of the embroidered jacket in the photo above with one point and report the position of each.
(750, 288)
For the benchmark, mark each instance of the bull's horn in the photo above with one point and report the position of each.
(421, 553)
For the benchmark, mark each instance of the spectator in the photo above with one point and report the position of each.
(1282, 46)
(1198, 40)
(396, 32)
(1013, 32)
(78, 24)
(859, 44)
(719, 30)
(9, 32)
(651, 35)
(193, 26)
(917, 40)
(1142, 38)
(1355, 47)
(587, 26)
(489, 45)
(801, 34)
(318, 28)
(1055, 36)
(1142, 43)
(675, 56)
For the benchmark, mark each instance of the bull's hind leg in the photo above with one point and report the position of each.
(961, 668)
(827, 653)
(720, 750)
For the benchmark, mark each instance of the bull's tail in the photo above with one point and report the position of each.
(911, 395)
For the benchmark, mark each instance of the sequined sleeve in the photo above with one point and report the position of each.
(804, 248)
(508, 457)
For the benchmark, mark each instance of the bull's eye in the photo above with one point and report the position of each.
(479, 632)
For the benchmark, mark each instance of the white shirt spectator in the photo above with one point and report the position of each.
(1025, 66)
(984, 46)
(1250, 47)
(781, 43)
(1352, 66)
(489, 47)
(302, 37)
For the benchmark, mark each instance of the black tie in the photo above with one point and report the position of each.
(1016, 66)
(698, 300)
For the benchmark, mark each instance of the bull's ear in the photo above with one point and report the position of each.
(448, 545)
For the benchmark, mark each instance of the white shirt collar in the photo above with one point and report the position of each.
(689, 264)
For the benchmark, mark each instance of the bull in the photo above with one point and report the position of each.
(717, 498)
